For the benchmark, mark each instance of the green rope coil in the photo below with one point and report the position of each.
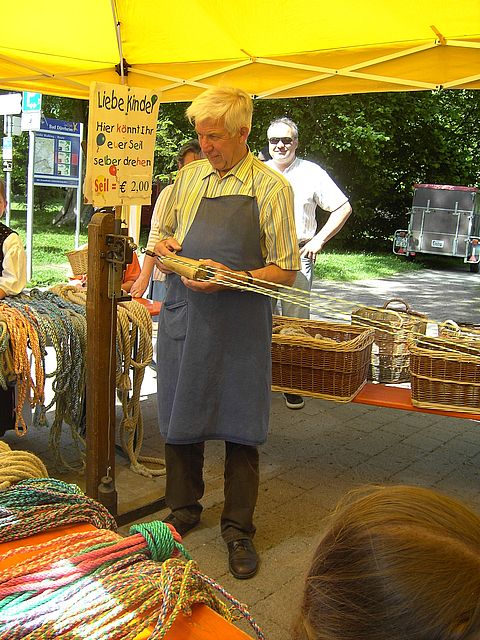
(160, 540)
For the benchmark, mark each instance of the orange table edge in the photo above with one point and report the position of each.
(203, 624)
(392, 397)
(153, 306)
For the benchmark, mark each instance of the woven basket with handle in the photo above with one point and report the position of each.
(394, 328)
(78, 260)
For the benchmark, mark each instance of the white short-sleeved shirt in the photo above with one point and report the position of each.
(13, 276)
(154, 235)
(312, 186)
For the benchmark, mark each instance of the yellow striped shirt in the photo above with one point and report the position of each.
(250, 177)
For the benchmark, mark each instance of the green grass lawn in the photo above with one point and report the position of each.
(347, 266)
(51, 266)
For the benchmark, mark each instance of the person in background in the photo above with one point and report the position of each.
(214, 341)
(131, 273)
(264, 154)
(13, 259)
(395, 563)
(13, 278)
(312, 187)
(187, 153)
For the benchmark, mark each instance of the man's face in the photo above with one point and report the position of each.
(221, 149)
(281, 150)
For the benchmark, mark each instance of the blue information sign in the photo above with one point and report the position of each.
(57, 154)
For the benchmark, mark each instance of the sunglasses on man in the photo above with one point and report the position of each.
(284, 141)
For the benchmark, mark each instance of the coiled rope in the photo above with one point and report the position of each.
(39, 504)
(18, 465)
(98, 585)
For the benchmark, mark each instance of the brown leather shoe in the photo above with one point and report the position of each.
(182, 527)
(242, 559)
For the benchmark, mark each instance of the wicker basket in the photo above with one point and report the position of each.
(333, 367)
(445, 373)
(393, 330)
(466, 332)
(78, 260)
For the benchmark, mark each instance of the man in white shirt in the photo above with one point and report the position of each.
(312, 187)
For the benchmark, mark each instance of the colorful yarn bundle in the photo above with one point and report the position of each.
(98, 585)
(39, 504)
(18, 465)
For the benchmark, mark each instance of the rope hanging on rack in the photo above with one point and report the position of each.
(62, 325)
(22, 333)
(134, 353)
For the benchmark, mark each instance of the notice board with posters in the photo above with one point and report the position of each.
(57, 153)
(122, 127)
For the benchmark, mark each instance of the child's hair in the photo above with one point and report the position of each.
(395, 563)
(3, 191)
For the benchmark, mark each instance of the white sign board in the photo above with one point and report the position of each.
(122, 125)
(31, 111)
(7, 148)
(31, 120)
(10, 103)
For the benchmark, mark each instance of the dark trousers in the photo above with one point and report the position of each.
(185, 486)
(7, 409)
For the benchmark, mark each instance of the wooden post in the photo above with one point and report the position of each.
(101, 360)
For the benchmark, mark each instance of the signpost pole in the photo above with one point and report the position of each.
(79, 190)
(30, 199)
(8, 174)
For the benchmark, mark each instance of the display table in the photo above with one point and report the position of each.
(203, 624)
(153, 306)
(392, 397)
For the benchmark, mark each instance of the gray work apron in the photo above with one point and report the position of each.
(214, 350)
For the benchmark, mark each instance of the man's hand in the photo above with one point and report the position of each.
(139, 286)
(214, 284)
(313, 246)
(167, 247)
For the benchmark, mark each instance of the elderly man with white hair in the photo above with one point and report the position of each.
(214, 341)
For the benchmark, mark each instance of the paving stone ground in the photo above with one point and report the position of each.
(313, 456)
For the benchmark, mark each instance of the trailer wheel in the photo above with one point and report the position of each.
(474, 267)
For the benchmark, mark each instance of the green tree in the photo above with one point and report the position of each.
(376, 146)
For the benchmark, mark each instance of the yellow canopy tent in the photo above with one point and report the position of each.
(270, 48)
